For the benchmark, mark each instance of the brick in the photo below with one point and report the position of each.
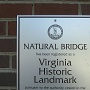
(12, 10)
(12, 28)
(2, 28)
(4, 61)
(14, 62)
(7, 45)
(56, 9)
(85, 9)
(7, 79)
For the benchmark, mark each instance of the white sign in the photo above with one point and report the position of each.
(53, 52)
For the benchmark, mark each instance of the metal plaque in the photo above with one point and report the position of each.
(53, 52)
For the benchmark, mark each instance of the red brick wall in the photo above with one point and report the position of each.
(9, 9)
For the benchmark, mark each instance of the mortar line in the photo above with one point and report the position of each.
(10, 62)
(8, 87)
(58, 2)
(8, 53)
(8, 19)
(33, 8)
(7, 70)
(79, 9)
(7, 37)
(6, 28)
